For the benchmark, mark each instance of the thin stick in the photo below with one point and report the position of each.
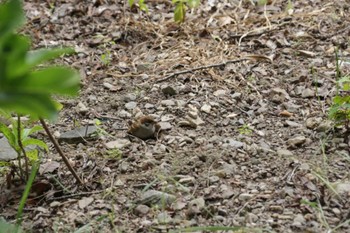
(60, 152)
(19, 141)
(201, 68)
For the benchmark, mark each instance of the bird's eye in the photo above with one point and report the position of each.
(146, 124)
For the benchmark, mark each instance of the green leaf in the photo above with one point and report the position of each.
(35, 142)
(8, 134)
(179, 13)
(12, 57)
(32, 155)
(36, 57)
(131, 2)
(55, 80)
(143, 6)
(26, 132)
(25, 194)
(11, 17)
(36, 105)
(193, 3)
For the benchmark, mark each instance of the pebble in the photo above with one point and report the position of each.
(325, 126)
(82, 108)
(206, 108)
(251, 218)
(219, 93)
(284, 153)
(313, 122)
(214, 179)
(154, 197)
(307, 93)
(196, 205)
(117, 144)
(164, 218)
(293, 124)
(245, 196)
(168, 90)
(296, 141)
(130, 105)
(342, 188)
(165, 125)
(149, 106)
(141, 210)
(167, 103)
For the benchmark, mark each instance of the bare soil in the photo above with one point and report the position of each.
(243, 143)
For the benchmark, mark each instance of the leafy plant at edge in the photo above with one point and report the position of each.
(180, 7)
(339, 112)
(26, 90)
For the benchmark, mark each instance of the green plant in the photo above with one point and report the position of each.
(27, 90)
(106, 57)
(141, 4)
(25, 146)
(180, 7)
(245, 129)
(24, 89)
(339, 112)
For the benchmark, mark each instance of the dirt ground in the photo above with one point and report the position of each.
(245, 139)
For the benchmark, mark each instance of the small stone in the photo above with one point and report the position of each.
(236, 95)
(336, 211)
(168, 90)
(78, 135)
(110, 86)
(296, 141)
(325, 126)
(124, 166)
(233, 143)
(153, 197)
(206, 108)
(284, 153)
(164, 218)
(149, 106)
(343, 188)
(124, 114)
(55, 204)
(130, 97)
(245, 196)
(299, 220)
(167, 103)
(142, 210)
(228, 194)
(293, 124)
(214, 179)
(84, 202)
(117, 144)
(276, 208)
(82, 108)
(308, 93)
(130, 105)
(219, 93)
(165, 125)
(196, 205)
(313, 122)
(251, 218)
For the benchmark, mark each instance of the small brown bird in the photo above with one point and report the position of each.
(144, 128)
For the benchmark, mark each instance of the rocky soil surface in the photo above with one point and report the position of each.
(245, 138)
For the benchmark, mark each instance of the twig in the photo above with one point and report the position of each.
(19, 141)
(75, 195)
(201, 68)
(60, 152)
